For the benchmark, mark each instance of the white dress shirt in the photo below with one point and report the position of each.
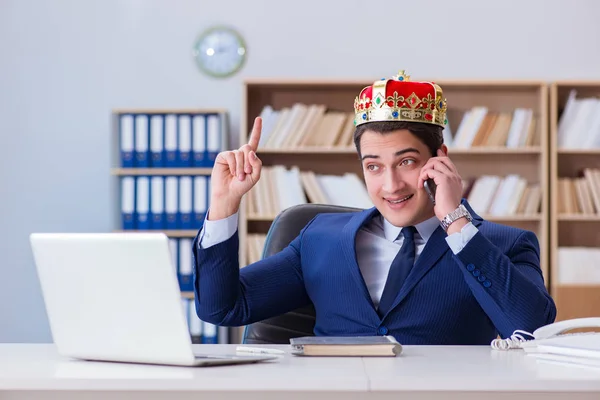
(377, 243)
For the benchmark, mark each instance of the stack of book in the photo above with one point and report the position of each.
(482, 127)
(579, 124)
(580, 195)
(280, 188)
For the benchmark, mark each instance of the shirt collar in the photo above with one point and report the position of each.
(425, 228)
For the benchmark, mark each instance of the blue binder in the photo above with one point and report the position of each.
(186, 263)
(184, 145)
(171, 142)
(142, 138)
(128, 215)
(142, 202)
(186, 202)
(209, 333)
(157, 141)
(213, 138)
(157, 203)
(200, 155)
(200, 200)
(126, 140)
(172, 202)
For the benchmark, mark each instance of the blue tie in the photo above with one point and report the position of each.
(401, 266)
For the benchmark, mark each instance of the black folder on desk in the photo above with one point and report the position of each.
(346, 346)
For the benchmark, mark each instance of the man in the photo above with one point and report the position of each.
(424, 273)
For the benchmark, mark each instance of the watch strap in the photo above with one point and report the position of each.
(460, 212)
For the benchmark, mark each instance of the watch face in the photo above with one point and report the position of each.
(220, 52)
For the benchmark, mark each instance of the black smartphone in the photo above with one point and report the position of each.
(430, 187)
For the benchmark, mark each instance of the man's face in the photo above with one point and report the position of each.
(391, 165)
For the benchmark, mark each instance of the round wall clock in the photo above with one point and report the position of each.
(220, 52)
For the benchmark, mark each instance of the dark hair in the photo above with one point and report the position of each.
(429, 134)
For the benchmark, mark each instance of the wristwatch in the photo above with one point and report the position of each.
(460, 212)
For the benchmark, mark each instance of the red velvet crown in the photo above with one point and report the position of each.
(399, 99)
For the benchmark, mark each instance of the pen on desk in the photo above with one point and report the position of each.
(259, 350)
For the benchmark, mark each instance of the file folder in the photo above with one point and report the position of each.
(171, 202)
(185, 202)
(174, 249)
(128, 216)
(195, 324)
(209, 333)
(127, 140)
(185, 265)
(142, 202)
(157, 203)
(142, 137)
(213, 138)
(200, 157)
(157, 141)
(171, 157)
(200, 200)
(185, 141)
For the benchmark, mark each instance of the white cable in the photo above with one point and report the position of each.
(513, 342)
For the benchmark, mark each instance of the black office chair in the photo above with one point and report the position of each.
(286, 226)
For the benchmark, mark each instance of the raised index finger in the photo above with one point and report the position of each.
(255, 134)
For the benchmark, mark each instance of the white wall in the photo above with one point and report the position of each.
(64, 64)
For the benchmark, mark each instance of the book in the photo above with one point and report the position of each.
(346, 346)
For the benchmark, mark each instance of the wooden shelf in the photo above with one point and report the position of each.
(451, 150)
(180, 188)
(299, 83)
(160, 171)
(577, 152)
(498, 95)
(579, 218)
(577, 301)
(501, 151)
(571, 230)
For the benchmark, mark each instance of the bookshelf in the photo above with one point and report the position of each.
(575, 200)
(161, 164)
(488, 154)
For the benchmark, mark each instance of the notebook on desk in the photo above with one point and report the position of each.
(346, 346)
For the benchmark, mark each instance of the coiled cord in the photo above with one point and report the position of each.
(513, 342)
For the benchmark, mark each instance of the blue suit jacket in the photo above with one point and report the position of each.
(493, 286)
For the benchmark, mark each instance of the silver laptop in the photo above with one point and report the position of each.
(116, 297)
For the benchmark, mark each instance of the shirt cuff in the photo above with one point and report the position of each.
(217, 231)
(458, 240)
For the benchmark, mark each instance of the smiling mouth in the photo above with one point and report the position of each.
(402, 200)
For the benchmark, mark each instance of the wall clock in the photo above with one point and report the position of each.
(220, 52)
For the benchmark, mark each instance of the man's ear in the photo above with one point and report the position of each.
(444, 149)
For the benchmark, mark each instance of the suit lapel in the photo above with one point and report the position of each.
(348, 245)
(435, 248)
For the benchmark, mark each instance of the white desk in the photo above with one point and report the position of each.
(35, 371)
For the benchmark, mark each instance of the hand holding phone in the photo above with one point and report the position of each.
(442, 183)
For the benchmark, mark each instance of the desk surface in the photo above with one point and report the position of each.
(429, 371)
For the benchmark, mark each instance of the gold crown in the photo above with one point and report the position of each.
(400, 99)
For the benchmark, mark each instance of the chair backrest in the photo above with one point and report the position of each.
(285, 228)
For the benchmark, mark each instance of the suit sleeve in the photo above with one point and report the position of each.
(509, 287)
(229, 296)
